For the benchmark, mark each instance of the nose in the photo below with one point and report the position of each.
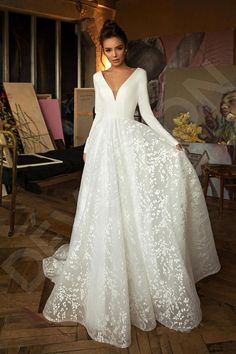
(224, 105)
(114, 54)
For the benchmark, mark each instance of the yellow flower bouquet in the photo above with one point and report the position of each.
(185, 130)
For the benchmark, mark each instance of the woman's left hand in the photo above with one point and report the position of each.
(179, 147)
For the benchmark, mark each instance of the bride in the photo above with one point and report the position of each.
(141, 237)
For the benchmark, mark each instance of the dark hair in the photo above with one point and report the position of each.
(111, 29)
(228, 93)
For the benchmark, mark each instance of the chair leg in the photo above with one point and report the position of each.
(11, 159)
(221, 194)
(1, 173)
(13, 197)
(205, 183)
(13, 213)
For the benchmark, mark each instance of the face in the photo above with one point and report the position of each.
(115, 51)
(228, 105)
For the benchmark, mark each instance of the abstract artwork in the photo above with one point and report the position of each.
(28, 117)
(200, 104)
(159, 54)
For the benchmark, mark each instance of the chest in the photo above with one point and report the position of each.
(116, 81)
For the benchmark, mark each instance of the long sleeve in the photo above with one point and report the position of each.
(146, 111)
(98, 110)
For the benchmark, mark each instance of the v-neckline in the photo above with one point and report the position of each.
(123, 83)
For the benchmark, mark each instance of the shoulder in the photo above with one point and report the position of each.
(141, 70)
(142, 74)
(96, 78)
(138, 71)
(96, 75)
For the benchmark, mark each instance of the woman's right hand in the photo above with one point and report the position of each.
(179, 147)
(84, 157)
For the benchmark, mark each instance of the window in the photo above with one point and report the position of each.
(1, 47)
(68, 59)
(45, 40)
(19, 48)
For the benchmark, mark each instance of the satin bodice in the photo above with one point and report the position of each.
(131, 93)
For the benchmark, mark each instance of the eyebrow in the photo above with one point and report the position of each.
(119, 45)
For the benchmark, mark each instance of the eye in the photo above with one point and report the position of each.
(107, 50)
(120, 48)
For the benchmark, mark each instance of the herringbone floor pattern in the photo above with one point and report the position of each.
(44, 223)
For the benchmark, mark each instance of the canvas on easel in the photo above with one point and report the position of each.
(29, 120)
(52, 115)
(83, 114)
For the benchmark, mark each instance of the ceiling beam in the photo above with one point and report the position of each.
(67, 10)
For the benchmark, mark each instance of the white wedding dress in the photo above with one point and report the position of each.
(141, 236)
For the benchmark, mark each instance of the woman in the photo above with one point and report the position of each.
(141, 236)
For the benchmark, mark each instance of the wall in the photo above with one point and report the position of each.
(158, 17)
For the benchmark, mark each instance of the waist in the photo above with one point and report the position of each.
(117, 117)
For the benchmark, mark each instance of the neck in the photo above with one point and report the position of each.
(117, 68)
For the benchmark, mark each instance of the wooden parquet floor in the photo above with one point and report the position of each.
(43, 223)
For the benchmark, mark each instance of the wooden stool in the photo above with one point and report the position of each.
(225, 173)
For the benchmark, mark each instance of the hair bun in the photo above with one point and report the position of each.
(109, 24)
(111, 29)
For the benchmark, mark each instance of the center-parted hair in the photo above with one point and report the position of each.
(111, 29)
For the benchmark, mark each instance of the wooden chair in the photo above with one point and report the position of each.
(226, 175)
(8, 155)
(71, 162)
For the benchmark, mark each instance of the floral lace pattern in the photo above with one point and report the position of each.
(141, 236)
